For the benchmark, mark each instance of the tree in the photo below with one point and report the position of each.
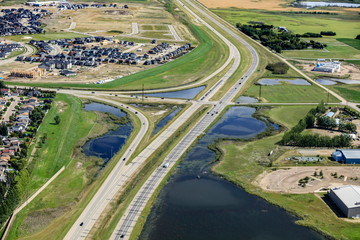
(3, 129)
(57, 119)
(358, 37)
(2, 84)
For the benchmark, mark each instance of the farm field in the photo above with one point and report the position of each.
(302, 23)
(287, 93)
(349, 92)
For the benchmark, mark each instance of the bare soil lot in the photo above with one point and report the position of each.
(287, 179)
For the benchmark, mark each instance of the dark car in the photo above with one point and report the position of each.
(82, 223)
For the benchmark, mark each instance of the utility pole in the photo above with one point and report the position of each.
(143, 92)
(328, 97)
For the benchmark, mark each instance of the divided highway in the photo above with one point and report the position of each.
(123, 173)
(127, 222)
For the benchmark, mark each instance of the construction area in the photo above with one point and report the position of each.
(308, 179)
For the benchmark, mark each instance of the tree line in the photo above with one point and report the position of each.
(275, 40)
(295, 137)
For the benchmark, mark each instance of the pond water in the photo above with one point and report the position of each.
(329, 4)
(333, 81)
(107, 145)
(270, 81)
(186, 94)
(246, 99)
(196, 205)
(166, 119)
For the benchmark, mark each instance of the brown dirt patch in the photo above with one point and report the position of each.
(286, 179)
(117, 12)
(39, 219)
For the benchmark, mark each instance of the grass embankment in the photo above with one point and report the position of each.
(287, 93)
(52, 213)
(240, 163)
(188, 68)
(349, 92)
(109, 222)
(302, 23)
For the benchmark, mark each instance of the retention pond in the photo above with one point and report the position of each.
(107, 145)
(196, 205)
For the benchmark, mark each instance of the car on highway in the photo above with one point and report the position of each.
(82, 223)
(92, 92)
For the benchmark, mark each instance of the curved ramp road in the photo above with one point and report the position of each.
(129, 219)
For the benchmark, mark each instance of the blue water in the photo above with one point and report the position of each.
(246, 99)
(165, 120)
(186, 94)
(333, 81)
(266, 81)
(326, 82)
(106, 146)
(193, 208)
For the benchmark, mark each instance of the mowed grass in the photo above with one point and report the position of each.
(346, 26)
(209, 54)
(287, 93)
(61, 138)
(54, 154)
(349, 92)
(240, 165)
(355, 43)
(281, 114)
(334, 49)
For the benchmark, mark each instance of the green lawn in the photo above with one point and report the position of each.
(61, 138)
(334, 49)
(346, 25)
(349, 92)
(355, 43)
(281, 114)
(287, 93)
(191, 67)
(240, 165)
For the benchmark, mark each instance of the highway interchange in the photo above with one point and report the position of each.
(122, 173)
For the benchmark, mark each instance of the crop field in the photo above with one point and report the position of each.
(287, 93)
(349, 92)
(302, 23)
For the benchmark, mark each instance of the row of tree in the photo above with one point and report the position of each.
(277, 41)
(294, 137)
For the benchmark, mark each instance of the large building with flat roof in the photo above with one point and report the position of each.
(347, 156)
(347, 198)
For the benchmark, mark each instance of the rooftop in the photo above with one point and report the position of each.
(349, 195)
(350, 153)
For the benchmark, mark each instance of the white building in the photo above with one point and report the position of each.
(347, 198)
(330, 67)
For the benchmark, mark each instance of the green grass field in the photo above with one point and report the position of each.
(61, 138)
(287, 93)
(355, 43)
(298, 23)
(239, 165)
(301, 23)
(334, 49)
(356, 62)
(282, 116)
(349, 92)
